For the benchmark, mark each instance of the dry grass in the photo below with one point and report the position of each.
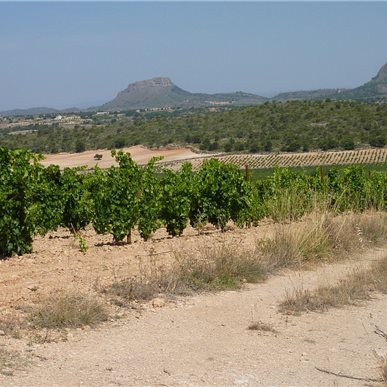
(140, 288)
(261, 326)
(217, 268)
(320, 237)
(383, 370)
(67, 310)
(12, 326)
(10, 361)
(323, 237)
(372, 227)
(356, 287)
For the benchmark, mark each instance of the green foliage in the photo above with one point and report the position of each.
(219, 194)
(46, 207)
(176, 199)
(116, 197)
(83, 246)
(149, 200)
(17, 190)
(77, 201)
(288, 195)
(36, 199)
(291, 126)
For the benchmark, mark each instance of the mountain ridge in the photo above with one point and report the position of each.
(161, 92)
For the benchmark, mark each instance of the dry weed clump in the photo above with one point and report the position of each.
(383, 370)
(356, 287)
(261, 326)
(322, 237)
(220, 268)
(67, 310)
(373, 226)
(139, 288)
(12, 326)
(10, 361)
(217, 268)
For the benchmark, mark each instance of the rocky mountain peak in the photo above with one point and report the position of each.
(158, 82)
(382, 74)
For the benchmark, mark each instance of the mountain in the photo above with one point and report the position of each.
(373, 90)
(31, 111)
(161, 92)
(36, 111)
(155, 92)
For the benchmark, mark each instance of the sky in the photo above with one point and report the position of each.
(81, 54)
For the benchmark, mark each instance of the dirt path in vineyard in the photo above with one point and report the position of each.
(204, 340)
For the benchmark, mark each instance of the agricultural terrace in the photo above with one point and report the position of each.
(288, 160)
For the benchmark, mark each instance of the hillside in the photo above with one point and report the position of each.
(375, 89)
(307, 94)
(273, 126)
(163, 93)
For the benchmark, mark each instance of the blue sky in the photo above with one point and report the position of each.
(80, 54)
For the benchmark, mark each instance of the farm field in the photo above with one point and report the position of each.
(139, 153)
(309, 159)
(174, 157)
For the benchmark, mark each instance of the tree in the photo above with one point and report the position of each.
(80, 146)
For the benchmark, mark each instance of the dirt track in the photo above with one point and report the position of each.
(204, 340)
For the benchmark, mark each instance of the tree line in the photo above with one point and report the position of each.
(273, 126)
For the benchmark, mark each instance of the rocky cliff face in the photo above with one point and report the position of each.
(374, 90)
(382, 75)
(159, 82)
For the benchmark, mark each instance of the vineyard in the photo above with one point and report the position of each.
(309, 159)
(36, 200)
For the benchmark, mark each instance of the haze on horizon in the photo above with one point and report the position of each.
(81, 54)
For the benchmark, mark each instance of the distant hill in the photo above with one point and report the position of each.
(291, 126)
(375, 89)
(30, 111)
(37, 111)
(161, 92)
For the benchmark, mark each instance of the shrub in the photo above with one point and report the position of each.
(68, 310)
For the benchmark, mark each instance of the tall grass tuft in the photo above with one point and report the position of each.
(356, 287)
(323, 237)
(67, 310)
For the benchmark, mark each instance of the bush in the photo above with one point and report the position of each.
(17, 190)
